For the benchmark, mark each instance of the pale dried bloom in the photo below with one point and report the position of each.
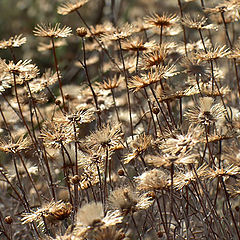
(156, 57)
(226, 6)
(91, 217)
(198, 22)
(227, 171)
(163, 21)
(79, 117)
(119, 33)
(139, 146)
(161, 72)
(182, 179)
(111, 83)
(55, 135)
(22, 70)
(128, 201)
(137, 44)
(206, 113)
(154, 179)
(101, 29)
(206, 89)
(167, 160)
(212, 53)
(47, 30)
(108, 136)
(47, 79)
(42, 47)
(91, 167)
(13, 42)
(52, 212)
(70, 6)
(15, 146)
(181, 143)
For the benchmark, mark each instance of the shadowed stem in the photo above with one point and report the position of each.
(126, 83)
(57, 70)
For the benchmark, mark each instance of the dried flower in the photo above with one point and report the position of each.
(47, 79)
(162, 21)
(55, 134)
(138, 146)
(128, 201)
(199, 23)
(70, 6)
(52, 212)
(213, 53)
(13, 42)
(154, 179)
(206, 113)
(14, 147)
(106, 137)
(136, 44)
(47, 30)
(22, 70)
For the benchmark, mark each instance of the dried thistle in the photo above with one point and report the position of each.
(47, 30)
(70, 6)
(12, 42)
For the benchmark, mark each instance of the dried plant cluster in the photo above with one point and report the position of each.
(146, 147)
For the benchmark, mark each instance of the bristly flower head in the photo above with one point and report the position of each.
(109, 136)
(23, 70)
(206, 113)
(47, 30)
(70, 6)
(13, 42)
(55, 134)
(163, 21)
(213, 53)
(52, 212)
(128, 201)
(199, 23)
(154, 179)
(136, 44)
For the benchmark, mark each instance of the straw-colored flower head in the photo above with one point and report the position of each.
(56, 31)
(70, 6)
(109, 136)
(128, 201)
(52, 213)
(154, 179)
(13, 42)
(198, 22)
(206, 113)
(212, 54)
(164, 20)
(22, 71)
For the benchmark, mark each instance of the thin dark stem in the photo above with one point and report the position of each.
(57, 70)
(126, 83)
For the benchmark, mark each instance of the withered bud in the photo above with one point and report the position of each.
(81, 32)
(58, 102)
(8, 220)
(151, 194)
(75, 179)
(155, 110)
(120, 172)
(237, 208)
(67, 96)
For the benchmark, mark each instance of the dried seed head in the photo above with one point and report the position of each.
(81, 32)
(120, 172)
(8, 220)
